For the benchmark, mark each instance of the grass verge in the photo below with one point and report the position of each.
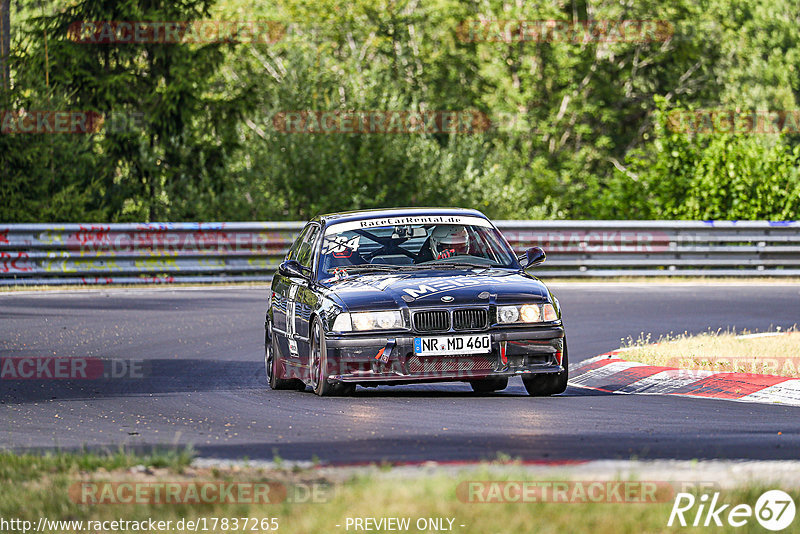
(35, 487)
(26, 467)
(774, 352)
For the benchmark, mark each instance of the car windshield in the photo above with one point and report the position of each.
(371, 246)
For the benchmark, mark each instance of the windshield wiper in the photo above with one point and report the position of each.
(457, 264)
(366, 267)
(468, 264)
(385, 267)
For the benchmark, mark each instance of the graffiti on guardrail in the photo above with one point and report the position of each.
(103, 238)
(104, 253)
(590, 240)
(109, 280)
(14, 262)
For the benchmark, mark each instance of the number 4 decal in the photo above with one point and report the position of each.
(340, 246)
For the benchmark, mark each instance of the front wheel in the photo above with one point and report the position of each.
(549, 384)
(319, 366)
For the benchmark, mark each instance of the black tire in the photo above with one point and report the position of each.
(549, 384)
(318, 366)
(271, 364)
(488, 385)
(344, 389)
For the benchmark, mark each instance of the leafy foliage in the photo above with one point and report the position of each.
(579, 129)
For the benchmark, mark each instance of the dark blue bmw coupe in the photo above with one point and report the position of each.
(399, 296)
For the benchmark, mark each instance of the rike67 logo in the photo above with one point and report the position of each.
(774, 510)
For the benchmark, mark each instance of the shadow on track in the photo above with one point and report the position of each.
(159, 377)
(180, 376)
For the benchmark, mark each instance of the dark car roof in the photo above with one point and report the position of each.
(392, 212)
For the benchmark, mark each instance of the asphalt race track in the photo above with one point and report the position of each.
(203, 354)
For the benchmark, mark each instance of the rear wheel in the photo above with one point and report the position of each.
(488, 385)
(549, 384)
(319, 366)
(272, 364)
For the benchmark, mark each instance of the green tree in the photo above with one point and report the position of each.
(166, 163)
(706, 176)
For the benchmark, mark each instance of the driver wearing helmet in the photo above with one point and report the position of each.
(447, 241)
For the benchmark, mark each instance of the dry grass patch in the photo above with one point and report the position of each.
(37, 487)
(774, 353)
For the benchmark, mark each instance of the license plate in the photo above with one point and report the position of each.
(443, 345)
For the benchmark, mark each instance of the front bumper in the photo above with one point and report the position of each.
(356, 358)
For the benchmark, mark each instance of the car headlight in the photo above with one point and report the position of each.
(507, 314)
(526, 313)
(361, 321)
(530, 313)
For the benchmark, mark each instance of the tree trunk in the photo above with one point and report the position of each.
(5, 43)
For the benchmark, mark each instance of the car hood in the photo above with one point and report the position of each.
(375, 291)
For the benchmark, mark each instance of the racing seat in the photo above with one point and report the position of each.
(425, 252)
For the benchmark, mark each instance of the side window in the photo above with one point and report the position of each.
(305, 253)
(295, 248)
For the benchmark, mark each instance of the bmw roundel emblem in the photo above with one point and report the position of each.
(447, 298)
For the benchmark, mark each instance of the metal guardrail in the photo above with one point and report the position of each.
(52, 254)
(661, 248)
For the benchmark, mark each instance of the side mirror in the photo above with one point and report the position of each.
(533, 256)
(292, 269)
